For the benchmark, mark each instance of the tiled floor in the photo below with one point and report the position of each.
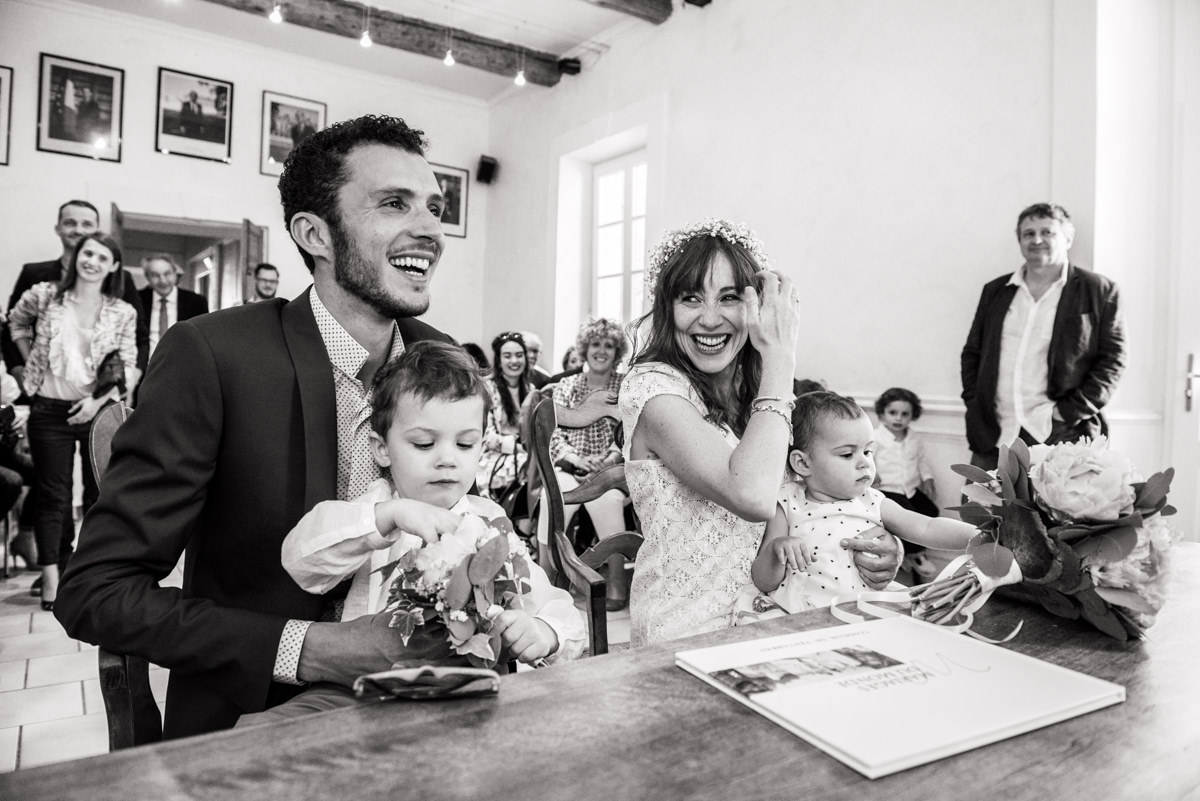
(50, 705)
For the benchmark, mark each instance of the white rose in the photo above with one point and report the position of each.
(1082, 481)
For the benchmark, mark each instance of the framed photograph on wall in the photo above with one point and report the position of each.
(79, 108)
(286, 122)
(195, 116)
(6, 78)
(453, 182)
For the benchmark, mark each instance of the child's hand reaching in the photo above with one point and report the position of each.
(415, 517)
(789, 552)
(526, 638)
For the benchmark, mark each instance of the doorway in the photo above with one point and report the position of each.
(217, 258)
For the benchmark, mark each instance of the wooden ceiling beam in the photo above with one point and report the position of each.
(344, 18)
(656, 11)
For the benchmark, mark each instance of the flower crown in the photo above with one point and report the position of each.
(734, 233)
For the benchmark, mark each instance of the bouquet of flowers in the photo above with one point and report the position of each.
(462, 582)
(1069, 526)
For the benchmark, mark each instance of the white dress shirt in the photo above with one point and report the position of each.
(339, 539)
(1021, 399)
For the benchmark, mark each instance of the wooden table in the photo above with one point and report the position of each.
(632, 726)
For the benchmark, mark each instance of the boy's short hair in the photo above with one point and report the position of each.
(899, 394)
(427, 371)
(812, 408)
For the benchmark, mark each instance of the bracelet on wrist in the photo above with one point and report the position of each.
(783, 412)
(789, 402)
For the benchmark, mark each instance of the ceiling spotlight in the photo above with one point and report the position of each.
(276, 14)
(100, 143)
(449, 59)
(520, 79)
(365, 41)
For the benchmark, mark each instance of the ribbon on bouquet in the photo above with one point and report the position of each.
(867, 602)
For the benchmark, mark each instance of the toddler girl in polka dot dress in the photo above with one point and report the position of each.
(828, 498)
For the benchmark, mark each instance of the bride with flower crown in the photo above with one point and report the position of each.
(706, 414)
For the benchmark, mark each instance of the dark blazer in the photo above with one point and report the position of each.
(36, 273)
(190, 304)
(234, 440)
(1087, 357)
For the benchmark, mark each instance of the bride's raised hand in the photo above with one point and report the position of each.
(773, 314)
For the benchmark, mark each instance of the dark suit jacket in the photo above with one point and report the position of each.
(190, 304)
(234, 440)
(36, 273)
(1087, 357)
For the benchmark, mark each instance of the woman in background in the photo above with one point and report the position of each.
(578, 453)
(508, 386)
(78, 323)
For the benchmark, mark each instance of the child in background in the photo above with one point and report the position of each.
(829, 497)
(427, 432)
(902, 472)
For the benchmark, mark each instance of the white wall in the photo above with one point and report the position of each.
(35, 182)
(882, 150)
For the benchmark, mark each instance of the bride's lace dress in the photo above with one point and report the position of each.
(697, 555)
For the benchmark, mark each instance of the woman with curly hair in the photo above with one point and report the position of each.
(578, 453)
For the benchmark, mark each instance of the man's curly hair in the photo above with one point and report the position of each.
(316, 168)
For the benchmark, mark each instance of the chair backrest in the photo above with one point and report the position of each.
(133, 716)
(104, 426)
(569, 571)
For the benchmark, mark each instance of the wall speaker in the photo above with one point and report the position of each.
(485, 173)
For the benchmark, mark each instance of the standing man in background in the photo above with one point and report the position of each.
(1046, 348)
(76, 219)
(166, 303)
(266, 283)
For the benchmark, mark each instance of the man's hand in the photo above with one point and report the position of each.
(877, 555)
(526, 638)
(341, 652)
(415, 517)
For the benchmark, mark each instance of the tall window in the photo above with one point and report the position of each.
(619, 224)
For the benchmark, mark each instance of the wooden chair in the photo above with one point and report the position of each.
(133, 716)
(570, 570)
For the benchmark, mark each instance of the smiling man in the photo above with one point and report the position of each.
(248, 417)
(1046, 348)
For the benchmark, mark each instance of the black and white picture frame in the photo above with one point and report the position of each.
(80, 107)
(195, 116)
(286, 122)
(453, 182)
(6, 79)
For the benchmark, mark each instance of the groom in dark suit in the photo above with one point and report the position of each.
(249, 417)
